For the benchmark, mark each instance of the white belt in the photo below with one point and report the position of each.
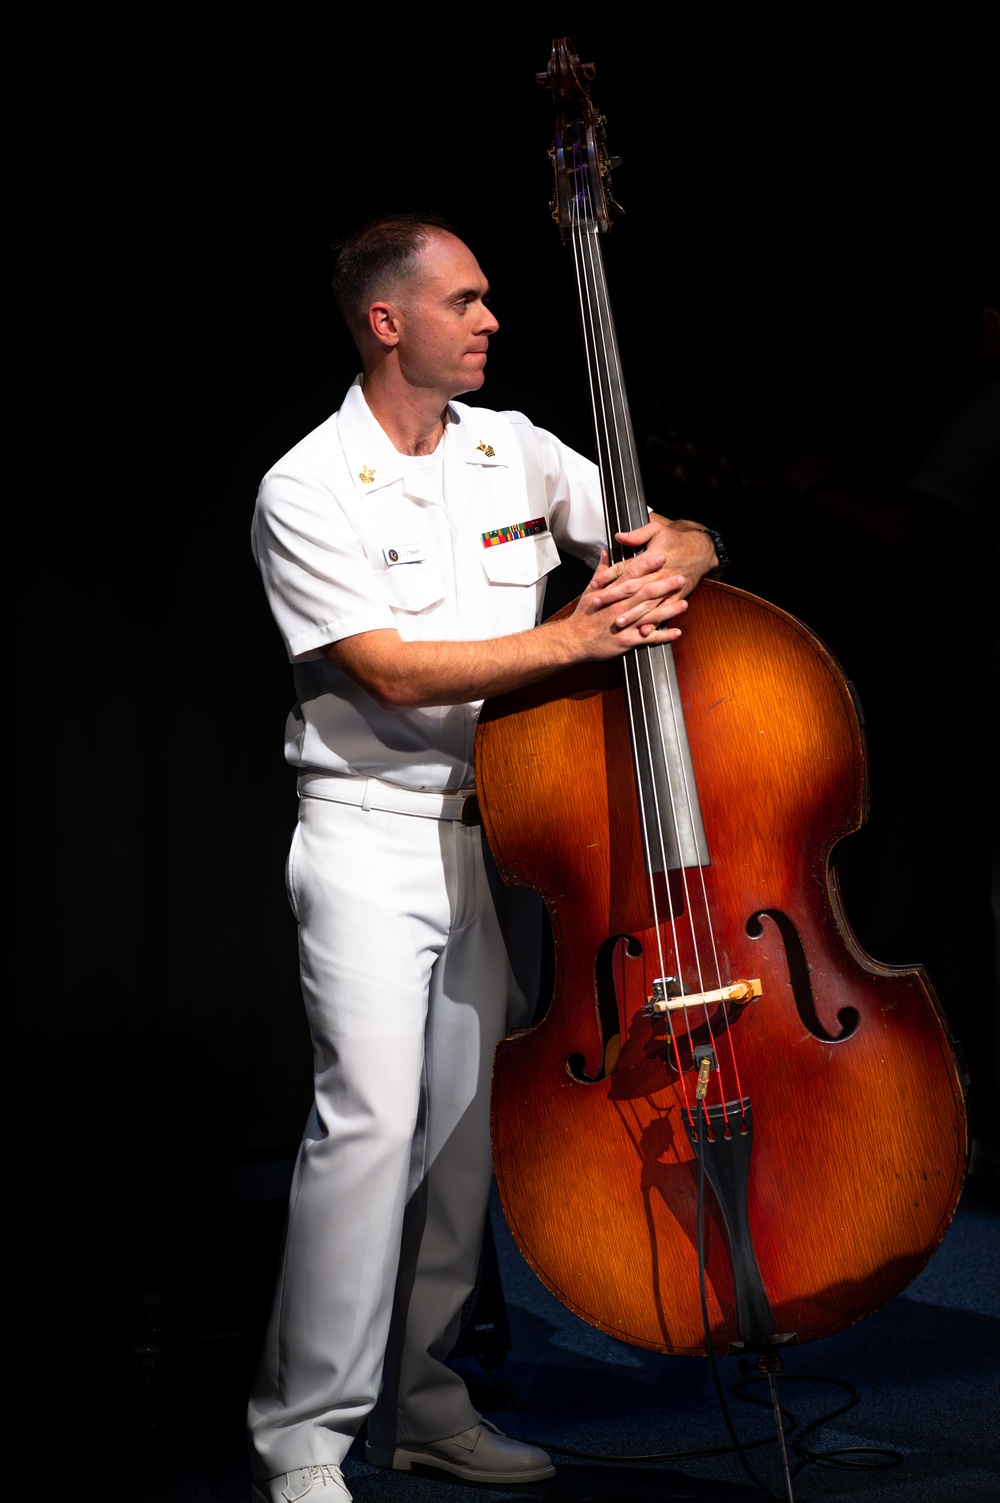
(372, 793)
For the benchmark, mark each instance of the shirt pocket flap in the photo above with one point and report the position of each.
(412, 587)
(522, 561)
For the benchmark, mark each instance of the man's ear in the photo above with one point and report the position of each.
(383, 321)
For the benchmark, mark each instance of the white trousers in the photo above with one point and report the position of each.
(407, 988)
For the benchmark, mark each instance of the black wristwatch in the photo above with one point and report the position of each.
(720, 553)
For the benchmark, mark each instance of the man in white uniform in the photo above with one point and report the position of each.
(404, 547)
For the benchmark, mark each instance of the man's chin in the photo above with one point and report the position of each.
(473, 381)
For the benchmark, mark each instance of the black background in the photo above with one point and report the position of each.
(808, 232)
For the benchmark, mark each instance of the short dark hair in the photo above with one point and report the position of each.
(377, 254)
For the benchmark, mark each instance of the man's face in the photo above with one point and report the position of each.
(444, 323)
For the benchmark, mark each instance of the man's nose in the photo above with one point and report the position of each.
(490, 323)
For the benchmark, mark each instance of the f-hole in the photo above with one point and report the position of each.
(798, 975)
(608, 1012)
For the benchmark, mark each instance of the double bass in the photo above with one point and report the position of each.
(714, 1020)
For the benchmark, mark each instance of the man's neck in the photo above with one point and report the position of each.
(412, 420)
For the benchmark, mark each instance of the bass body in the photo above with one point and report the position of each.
(858, 1113)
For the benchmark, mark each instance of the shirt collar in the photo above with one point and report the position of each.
(371, 458)
(374, 462)
(469, 435)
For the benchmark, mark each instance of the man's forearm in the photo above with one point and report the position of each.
(615, 614)
(404, 675)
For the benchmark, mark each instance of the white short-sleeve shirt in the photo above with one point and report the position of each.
(351, 537)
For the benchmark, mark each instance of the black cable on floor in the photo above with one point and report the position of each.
(836, 1455)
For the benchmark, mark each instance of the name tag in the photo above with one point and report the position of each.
(404, 553)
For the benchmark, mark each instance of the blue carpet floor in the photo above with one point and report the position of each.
(926, 1369)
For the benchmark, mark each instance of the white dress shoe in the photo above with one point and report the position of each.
(482, 1454)
(316, 1484)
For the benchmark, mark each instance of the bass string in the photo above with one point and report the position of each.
(589, 286)
(595, 329)
(583, 231)
(616, 441)
(646, 725)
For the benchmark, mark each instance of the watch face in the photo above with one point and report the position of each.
(720, 548)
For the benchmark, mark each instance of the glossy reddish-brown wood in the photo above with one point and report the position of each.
(859, 1141)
